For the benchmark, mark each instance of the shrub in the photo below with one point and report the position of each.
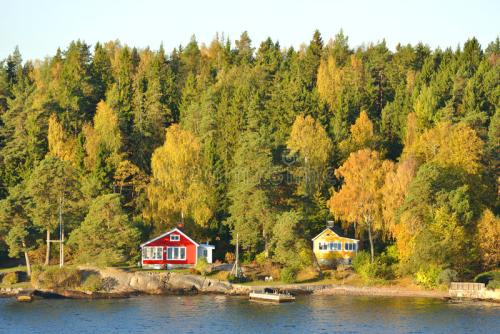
(234, 279)
(382, 267)
(229, 257)
(288, 275)
(55, 277)
(428, 277)
(490, 278)
(10, 278)
(360, 261)
(202, 266)
(261, 258)
(447, 276)
(93, 283)
(493, 284)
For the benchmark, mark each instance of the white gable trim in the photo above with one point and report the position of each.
(321, 233)
(167, 233)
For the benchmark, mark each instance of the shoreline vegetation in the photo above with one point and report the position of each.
(120, 283)
(105, 146)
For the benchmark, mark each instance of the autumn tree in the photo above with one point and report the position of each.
(309, 141)
(61, 145)
(359, 200)
(488, 237)
(178, 188)
(362, 135)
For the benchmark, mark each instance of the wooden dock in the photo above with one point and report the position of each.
(272, 297)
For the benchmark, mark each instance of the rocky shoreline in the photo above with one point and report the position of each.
(124, 284)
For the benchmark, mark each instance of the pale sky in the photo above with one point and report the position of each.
(39, 27)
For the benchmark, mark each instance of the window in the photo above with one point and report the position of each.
(350, 246)
(335, 246)
(176, 253)
(322, 245)
(175, 237)
(152, 253)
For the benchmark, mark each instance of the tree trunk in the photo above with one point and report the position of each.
(27, 259)
(47, 254)
(371, 241)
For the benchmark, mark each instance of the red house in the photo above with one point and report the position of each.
(173, 249)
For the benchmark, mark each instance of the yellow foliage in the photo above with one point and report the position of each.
(360, 198)
(177, 186)
(397, 182)
(105, 133)
(488, 237)
(331, 79)
(60, 144)
(309, 139)
(362, 135)
(449, 145)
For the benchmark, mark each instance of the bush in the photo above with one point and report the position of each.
(234, 279)
(490, 278)
(261, 258)
(447, 276)
(382, 267)
(10, 278)
(428, 277)
(202, 266)
(55, 277)
(360, 261)
(493, 284)
(93, 283)
(230, 258)
(288, 275)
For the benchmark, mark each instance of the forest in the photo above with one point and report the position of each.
(398, 147)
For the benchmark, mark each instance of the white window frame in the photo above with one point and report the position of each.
(175, 237)
(335, 246)
(179, 253)
(152, 253)
(351, 248)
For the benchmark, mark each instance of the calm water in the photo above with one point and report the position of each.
(221, 314)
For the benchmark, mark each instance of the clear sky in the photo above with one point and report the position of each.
(39, 27)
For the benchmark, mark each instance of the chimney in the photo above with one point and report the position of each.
(329, 223)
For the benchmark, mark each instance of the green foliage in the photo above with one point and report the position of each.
(428, 277)
(289, 274)
(202, 266)
(106, 236)
(488, 277)
(57, 278)
(447, 276)
(93, 283)
(242, 109)
(10, 278)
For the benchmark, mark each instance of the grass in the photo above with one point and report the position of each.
(22, 285)
(11, 269)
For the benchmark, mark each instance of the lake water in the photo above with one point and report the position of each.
(223, 314)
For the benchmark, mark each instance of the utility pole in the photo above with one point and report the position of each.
(61, 234)
(236, 271)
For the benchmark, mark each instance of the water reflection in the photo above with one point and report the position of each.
(224, 314)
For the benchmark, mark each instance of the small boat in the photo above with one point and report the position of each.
(271, 295)
(24, 298)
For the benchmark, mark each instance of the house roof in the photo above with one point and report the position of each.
(167, 233)
(333, 231)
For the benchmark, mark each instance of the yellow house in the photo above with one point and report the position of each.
(331, 248)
